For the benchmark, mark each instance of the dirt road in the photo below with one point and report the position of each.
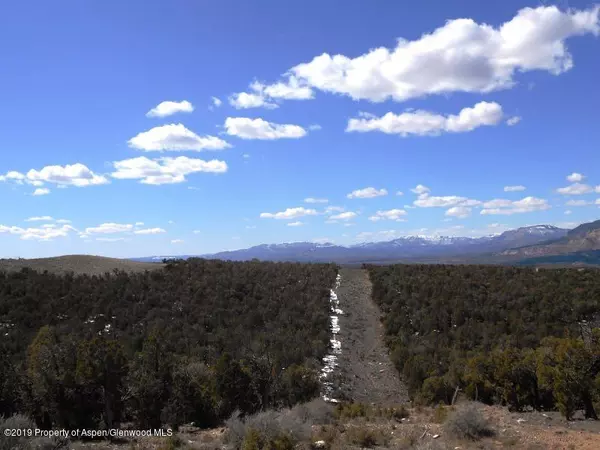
(365, 372)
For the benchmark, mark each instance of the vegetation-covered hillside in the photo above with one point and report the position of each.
(191, 342)
(517, 336)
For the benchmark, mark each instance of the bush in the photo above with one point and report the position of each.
(19, 421)
(316, 411)
(350, 410)
(440, 414)
(366, 437)
(468, 423)
(277, 430)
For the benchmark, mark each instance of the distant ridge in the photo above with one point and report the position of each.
(585, 237)
(81, 264)
(407, 248)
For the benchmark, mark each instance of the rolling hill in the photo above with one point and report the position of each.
(88, 264)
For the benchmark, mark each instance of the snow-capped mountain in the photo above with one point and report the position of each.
(403, 247)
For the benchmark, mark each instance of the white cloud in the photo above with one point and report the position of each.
(245, 156)
(196, 231)
(109, 228)
(105, 239)
(266, 96)
(216, 102)
(424, 123)
(41, 191)
(323, 241)
(150, 231)
(399, 193)
(578, 203)
(568, 211)
(315, 200)
(315, 127)
(168, 108)
(460, 56)
(295, 224)
(175, 137)
(344, 216)
(517, 188)
(507, 207)
(289, 213)
(139, 224)
(420, 189)
(246, 128)
(428, 201)
(459, 211)
(392, 214)
(369, 192)
(177, 241)
(63, 221)
(39, 219)
(513, 120)
(15, 176)
(576, 189)
(332, 209)
(575, 177)
(43, 233)
(68, 175)
(164, 170)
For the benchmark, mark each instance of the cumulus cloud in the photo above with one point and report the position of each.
(246, 128)
(399, 193)
(216, 102)
(168, 108)
(42, 233)
(459, 211)
(261, 95)
(517, 188)
(429, 201)
(106, 239)
(175, 137)
(295, 224)
(568, 212)
(392, 214)
(460, 56)
(150, 231)
(578, 203)
(332, 209)
(41, 191)
(164, 170)
(425, 123)
(575, 177)
(315, 200)
(420, 189)
(508, 207)
(177, 241)
(109, 228)
(513, 120)
(577, 189)
(343, 216)
(369, 192)
(68, 175)
(289, 213)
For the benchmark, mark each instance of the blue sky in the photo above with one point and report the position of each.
(108, 116)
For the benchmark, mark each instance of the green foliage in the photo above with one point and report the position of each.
(482, 329)
(191, 342)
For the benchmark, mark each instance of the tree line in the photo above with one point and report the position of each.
(192, 342)
(522, 337)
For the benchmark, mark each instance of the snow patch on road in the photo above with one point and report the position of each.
(330, 360)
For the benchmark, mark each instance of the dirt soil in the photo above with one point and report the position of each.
(365, 372)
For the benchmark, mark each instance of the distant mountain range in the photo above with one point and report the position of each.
(584, 238)
(494, 248)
